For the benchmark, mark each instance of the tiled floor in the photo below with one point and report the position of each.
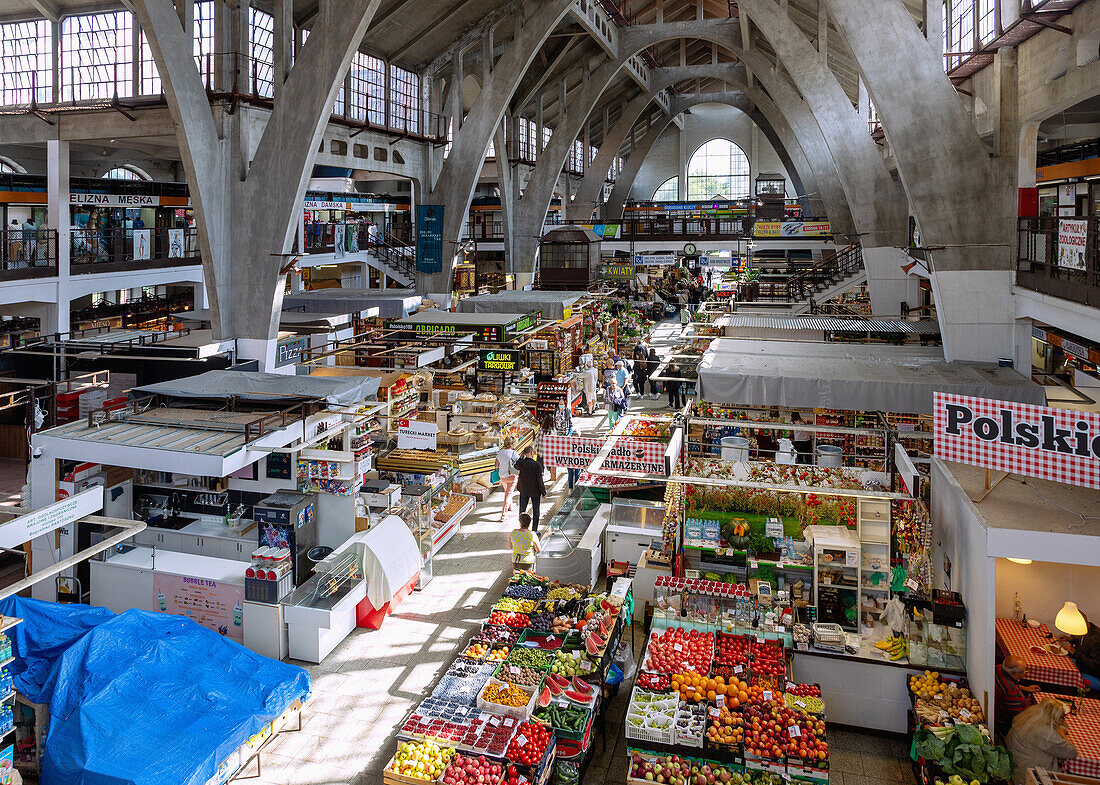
(13, 473)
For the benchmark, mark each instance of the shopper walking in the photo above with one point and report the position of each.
(640, 358)
(620, 374)
(803, 440)
(617, 403)
(652, 363)
(525, 544)
(675, 387)
(589, 377)
(1038, 738)
(531, 485)
(506, 468)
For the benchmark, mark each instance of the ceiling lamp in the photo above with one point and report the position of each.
(1070, 621)
(1019, 561)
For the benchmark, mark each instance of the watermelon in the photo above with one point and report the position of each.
(590, 645)
(712, 576)
(559, 681)
(582, 686)
(599, 641)
(544, 698)
(576, 697)
(553, 688)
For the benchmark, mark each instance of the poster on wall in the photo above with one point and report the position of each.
(175, 244)
(143, 242)
(429, 238)
(1071, 243)
(339, 240)
(216, 606)
(1036, 441)
(1067, 195)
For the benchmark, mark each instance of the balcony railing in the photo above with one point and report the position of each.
(728, 228)
(1042, 267)
(113, 250)
(27, 253)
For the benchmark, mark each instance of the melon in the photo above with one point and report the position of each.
(544, 697)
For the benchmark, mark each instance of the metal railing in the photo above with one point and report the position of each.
(105, 250)
(813, 281)
(1044, 266)
(321, 237)
(486, 229)
(27, 253)
(393, 252)
(718, 228)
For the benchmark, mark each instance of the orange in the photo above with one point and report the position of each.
(710, 695)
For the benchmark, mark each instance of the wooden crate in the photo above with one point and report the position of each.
(1037, 776)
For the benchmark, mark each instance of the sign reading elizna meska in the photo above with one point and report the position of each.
(1053, 444)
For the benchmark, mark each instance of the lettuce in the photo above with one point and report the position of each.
(998, 761)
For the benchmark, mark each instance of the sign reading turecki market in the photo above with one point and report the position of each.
(1037, 441)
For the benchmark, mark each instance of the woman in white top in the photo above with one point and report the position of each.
(588, 378)
(506, 467)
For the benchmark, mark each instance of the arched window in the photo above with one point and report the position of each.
(669, 190)
(719, 169)
(126, 172)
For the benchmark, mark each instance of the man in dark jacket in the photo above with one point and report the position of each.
(641, 360)
(652, 363)
(531, 485)
(1085, 650)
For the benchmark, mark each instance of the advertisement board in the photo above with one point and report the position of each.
(627, 455)
(216, 606)
(1071, 243)
(791, 229)
(429, 238)
(1061, 445)
(25, 528)
(417, 435)
(499, 360)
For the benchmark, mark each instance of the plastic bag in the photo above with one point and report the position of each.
(624, 659)
(894, 615)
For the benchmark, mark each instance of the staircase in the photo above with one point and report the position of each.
(395, 259)
(802, 292)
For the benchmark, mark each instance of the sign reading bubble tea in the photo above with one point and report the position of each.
(1036, 441)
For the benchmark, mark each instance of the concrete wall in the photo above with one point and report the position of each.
(670, 154)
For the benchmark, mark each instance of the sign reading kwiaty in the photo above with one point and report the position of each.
(1037, 441)
(416, 435)
(25, 528)
(627, 455)
(1071, 243)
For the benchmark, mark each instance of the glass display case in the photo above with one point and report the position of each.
(934, 645)
(416, 510)
(329, 585)
(572, 539)
(638, 513)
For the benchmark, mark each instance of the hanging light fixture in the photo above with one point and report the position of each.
(1070, 621)
(1019, 561)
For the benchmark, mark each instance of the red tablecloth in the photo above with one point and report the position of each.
(1084, 732)
(1044, 668)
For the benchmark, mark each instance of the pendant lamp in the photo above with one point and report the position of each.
(1019, 561)
(1070, 621)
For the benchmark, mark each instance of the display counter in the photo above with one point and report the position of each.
(572, 540)
(125, 580)
(321, 612)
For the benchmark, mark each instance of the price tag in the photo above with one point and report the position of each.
(738, 669)
(720, 700)
(944, 715)
(780, 628)
(767, 695)
(521, 740)
(937, 697)
(494, 720)
(577, 654)
(964, 713)
(794, 731)
(715, 712)
(509, 722)
(677, 647)
(911, 584)
(753, 564)
(800, 702)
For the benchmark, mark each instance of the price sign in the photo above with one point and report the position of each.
(677, 647)
(964, 713)
(800, 702)
(715, 712)
(737, 669)
(794, 731)
(911, 584)
(938, 697)
(767, 695)
(720, 700)
(521, 739)
(577, 654)
(780, 628)
(515, 670)
(494, 720)
(753, 564)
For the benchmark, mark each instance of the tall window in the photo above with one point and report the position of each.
(987, 20)
(718, 169)
(126, 172)
(96, 56)
(527, 143)
(261, 49)
(368, 89)
(150, 76)
(669, 190)
(404, 100)
(960, 30)
(575, 164)
(25, 72)
(204, 40)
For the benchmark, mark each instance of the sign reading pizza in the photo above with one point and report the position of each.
(1037, 441)
(627, 455)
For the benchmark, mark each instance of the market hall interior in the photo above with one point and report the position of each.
(550, 391)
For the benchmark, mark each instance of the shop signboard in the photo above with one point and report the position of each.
(654, 259)
(25, 528)
(1071, 243)
(114, 200)
(429, 238)
(627, 455)
(1036, 441)
(526, 322)
(606, 231)
(417, 435)
(218, 606)
(617, 272)
(498, 360)
(290, 350)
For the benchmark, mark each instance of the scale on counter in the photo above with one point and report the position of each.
(829, 637)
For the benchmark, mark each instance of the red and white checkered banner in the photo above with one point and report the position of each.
(627, 455)
(1037, 441)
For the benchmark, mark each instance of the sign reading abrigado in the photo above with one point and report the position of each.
(1053, 444)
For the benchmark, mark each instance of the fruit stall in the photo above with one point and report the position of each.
(525, 700)
(722, 707)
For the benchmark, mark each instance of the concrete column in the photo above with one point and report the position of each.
(135, 57)
(506, 178)
(283, 43)
(55, 60)
(58, 217)
(887, 282)
(682, 161)
(186, 11)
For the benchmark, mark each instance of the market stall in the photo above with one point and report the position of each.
(525, 701)
(555, 305)
(390, 304)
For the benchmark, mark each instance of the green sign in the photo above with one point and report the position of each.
(617, 272)
(290, 350)
(527, 322)
(498, 360)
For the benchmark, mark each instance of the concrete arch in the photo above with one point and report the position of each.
(457, 179)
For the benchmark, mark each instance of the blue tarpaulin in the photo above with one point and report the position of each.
(141, 698)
